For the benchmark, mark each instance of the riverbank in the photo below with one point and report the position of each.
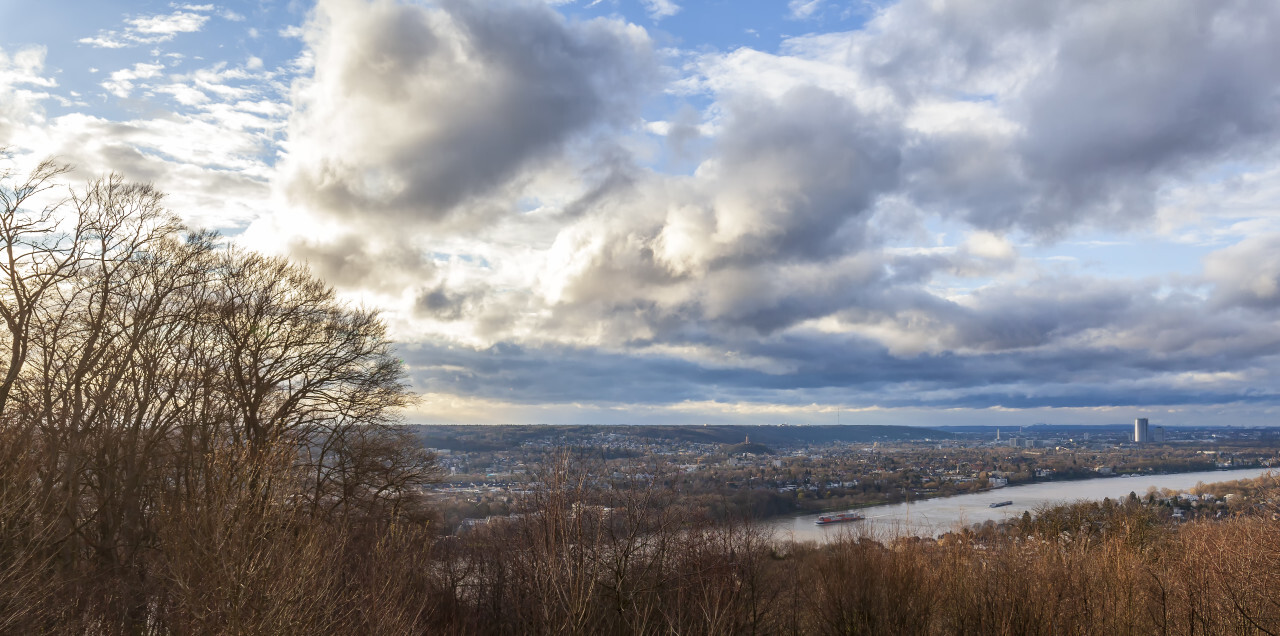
(935, 516)
(921, 497)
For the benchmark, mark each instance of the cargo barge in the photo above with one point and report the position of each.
(838, 518)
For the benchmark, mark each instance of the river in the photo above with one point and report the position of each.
(932, 517)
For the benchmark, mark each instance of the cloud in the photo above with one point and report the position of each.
(153, 29)
(1247, 274)
(659, 9)
(803, 9)
(855, 225)
(172, 24)
(350, 261)
(914, 215)
(25, 67)
(104, 41)
(22, 80)
(121, 84)
(848, 369)
(988, 208)
(439, 120)
(1051, 116)
(415, 113)
(209, 147)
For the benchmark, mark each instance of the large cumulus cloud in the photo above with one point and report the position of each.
(416, 112)
(424, 125)
(1045, 116)
(856, 218)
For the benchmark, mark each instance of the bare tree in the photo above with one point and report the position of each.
(296, 359)
(142, 357)
(37, 257)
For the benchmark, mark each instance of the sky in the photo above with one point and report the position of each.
(926, 212)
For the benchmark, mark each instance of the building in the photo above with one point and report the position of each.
(1157, 434)
(1141, 433)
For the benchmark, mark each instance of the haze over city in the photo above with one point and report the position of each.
(675, 212)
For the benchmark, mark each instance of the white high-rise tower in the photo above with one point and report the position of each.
(1141, 434)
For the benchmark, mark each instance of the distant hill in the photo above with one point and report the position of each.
(776, 435)
(748, 447)
(490, 438)
(1040, 428)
